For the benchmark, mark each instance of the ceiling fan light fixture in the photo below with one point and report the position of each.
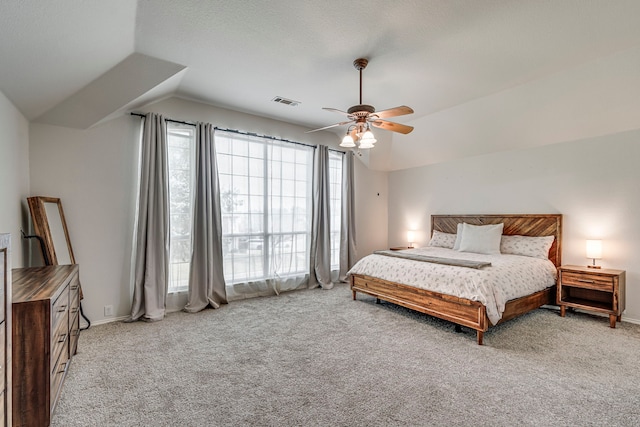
(347, 142)
(365, 144)
(368, 138)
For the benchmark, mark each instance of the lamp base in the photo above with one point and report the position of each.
(594, 266)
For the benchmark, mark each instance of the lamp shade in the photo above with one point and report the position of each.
(347, 142)
(411, 236)
(594, 249)
(365, 144)
(368, 136)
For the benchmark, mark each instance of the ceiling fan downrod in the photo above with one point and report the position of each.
(360, 64)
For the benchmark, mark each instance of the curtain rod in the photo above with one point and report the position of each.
(241, 133)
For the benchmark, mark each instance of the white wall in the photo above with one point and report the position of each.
(14, 177)
(94, 173)
(371, 204)
(593, 182)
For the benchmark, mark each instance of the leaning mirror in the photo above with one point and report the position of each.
(49, 223)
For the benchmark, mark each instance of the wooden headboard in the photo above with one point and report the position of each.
(524, 225)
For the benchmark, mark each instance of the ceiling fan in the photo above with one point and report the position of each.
(362, 115)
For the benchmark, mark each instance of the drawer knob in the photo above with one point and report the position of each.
(62, 308)
(586, 281)
(62, 338)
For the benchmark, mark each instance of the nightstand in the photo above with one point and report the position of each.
(400, 248)
(599, 290)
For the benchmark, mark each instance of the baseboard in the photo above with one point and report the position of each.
(121, 318)
(634, 321)
(108, 320)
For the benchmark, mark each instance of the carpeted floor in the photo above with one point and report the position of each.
(317, 358)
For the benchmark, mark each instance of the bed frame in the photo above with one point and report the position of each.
(461, 311)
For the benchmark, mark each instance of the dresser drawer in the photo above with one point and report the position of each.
(59, 342)
(74, 306)
(74, 287)
(60, 309)
(57, 375)
(74, 334)
(587, 281)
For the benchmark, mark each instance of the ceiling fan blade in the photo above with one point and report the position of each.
(335, 110)
(330, 126)
(394, 112)
(394, 127)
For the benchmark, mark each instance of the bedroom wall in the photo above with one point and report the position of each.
(372, 201)
(593, 182)
(14, 177)
(94, 173)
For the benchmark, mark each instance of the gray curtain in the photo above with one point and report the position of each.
(321, 229)
(206, 278)
(348, 224)
(151, 263)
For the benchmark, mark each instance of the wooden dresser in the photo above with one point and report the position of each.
(5, 330)
(46, 326)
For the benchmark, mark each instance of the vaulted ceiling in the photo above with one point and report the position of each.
(456, 63)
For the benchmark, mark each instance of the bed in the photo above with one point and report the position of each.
(461, 311)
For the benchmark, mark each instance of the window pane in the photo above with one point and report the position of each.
(240, 147)
(256, 167)
(256, 186)
(180, 170)
(256, 149)
(288, 187)
(335, 206)
(288, 170)
(224, 163)
(256, 204)
(223, 145)
(240, 165)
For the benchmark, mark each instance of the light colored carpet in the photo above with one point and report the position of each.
(317, 358)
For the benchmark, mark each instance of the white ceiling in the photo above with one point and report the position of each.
(432, 55)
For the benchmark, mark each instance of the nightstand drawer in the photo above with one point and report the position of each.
(587, 281)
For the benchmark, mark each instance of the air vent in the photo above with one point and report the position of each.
(285, 101)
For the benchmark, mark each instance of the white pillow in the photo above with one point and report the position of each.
(442, 240)
(481, 239)
(536, 247)
(456, 245)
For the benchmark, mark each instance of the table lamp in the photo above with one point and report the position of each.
(594, 251)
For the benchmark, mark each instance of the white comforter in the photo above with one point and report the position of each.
(509, 277)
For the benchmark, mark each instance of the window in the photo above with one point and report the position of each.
(335, 205)
(265, 188)
(266, 202)
(180, 153)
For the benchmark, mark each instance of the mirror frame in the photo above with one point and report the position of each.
(42, 229)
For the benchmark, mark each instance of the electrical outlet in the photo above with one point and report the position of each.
(108, 310)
